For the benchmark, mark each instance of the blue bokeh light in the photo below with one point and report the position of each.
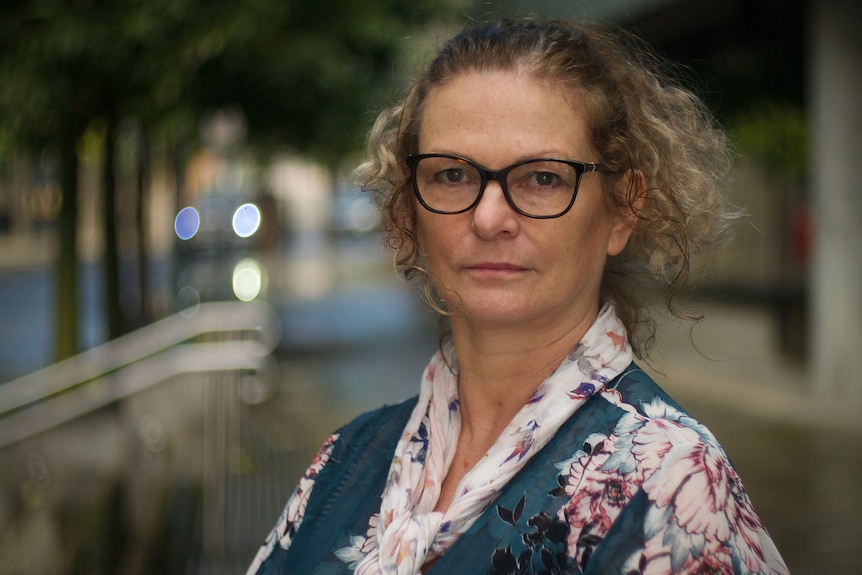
(187, 223)
(246, 220)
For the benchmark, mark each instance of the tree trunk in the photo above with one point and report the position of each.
(113, 310)
(66, 336)
(141, 221)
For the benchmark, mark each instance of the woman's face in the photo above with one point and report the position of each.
(495, 267)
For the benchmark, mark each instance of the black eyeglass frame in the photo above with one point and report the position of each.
(500, 176)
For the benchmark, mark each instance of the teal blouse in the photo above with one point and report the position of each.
(629, 484)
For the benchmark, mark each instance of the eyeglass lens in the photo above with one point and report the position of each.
(540, 187)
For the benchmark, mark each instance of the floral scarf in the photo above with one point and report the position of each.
(409, 531)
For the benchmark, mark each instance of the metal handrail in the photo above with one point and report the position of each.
(153, 354)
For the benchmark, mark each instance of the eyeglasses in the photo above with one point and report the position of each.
(541, 188)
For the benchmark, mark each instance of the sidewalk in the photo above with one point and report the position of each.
(732, 359)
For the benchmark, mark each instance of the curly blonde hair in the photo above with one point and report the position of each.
(640, 121)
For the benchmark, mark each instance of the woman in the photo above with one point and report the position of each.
(527, 178)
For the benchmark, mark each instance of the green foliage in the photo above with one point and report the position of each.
(307, 74)
(775, 133)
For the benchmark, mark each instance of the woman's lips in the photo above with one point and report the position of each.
(496, 267)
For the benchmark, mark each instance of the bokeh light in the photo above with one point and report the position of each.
(188, 301)
(246, 220)
(247, 279)
(187, 223)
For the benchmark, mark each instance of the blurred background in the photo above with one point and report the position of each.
(193, 294)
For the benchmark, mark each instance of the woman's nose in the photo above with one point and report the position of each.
(493, 215)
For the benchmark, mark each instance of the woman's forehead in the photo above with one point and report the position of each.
(505, 108)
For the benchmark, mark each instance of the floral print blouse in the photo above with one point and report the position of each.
(629, 484)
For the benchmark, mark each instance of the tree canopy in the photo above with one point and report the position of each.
(306, 74)
(308, 77)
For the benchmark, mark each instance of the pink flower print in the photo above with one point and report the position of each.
(597, 493)
(657, 560)
(702, 494)
(655, 439)
(296, 507)
(614, 397)
(431, 371)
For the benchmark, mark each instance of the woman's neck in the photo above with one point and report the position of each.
(500, 369)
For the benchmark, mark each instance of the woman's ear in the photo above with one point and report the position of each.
(632, 187)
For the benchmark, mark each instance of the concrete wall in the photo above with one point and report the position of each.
(836, 274)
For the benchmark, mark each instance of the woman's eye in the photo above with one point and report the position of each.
(546, 179)
(452, 176)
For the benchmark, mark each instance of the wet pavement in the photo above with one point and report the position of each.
(364, 341)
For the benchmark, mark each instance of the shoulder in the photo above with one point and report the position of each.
(642, 406)
(343, 462)
(376, 425)
(636, 387)
(640, 427)
(659, 488)
(652, 432)
(359, 456)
